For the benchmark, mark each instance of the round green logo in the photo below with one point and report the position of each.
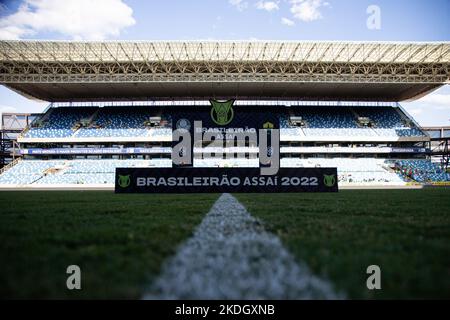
(124, 181)
(329, 180)
(222, 113)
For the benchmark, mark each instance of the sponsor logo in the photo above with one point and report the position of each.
(124, 181)
(329, 180)
(191, 179)
(268, 125)
(222, 112)
(183, 124)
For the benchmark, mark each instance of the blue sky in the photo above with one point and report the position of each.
(401, 20)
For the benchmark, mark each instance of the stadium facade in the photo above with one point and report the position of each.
(115, 104)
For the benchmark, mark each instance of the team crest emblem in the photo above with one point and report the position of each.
(329, 180)
(268, 125)
(222, 112)
(183, 124)
(124, 181)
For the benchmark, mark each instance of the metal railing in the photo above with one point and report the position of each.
(10, 165)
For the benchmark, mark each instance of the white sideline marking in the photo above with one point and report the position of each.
(231, 256)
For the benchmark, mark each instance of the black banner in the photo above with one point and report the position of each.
(223, 309)
(210, 180)
(247, 119)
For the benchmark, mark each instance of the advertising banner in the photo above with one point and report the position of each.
(76, 151)
(211, 180)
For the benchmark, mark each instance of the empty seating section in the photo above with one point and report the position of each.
(342, 121)
(388, 122)
(131, 122)
(80, 178)
(409, 132)
(205, 163)
(160, 132)
(383, 117)
(328, 117)
(421, 170)
(103, 122)
(284, 121)
(362, 171)
(319, 121)
(286, 130)
(59, 123)
(26, 172)
(99, 171)
(351, 171)
(375, 170)
(119, 122)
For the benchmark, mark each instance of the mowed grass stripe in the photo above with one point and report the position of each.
(405, 232)
(119, 241)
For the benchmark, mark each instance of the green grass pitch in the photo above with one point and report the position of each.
(120, 241)
(405, 232)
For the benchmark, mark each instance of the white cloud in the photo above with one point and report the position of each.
(267, 5)
(307, 10)
(77, 19)
(9, 32)
(287, 22)
(239, 4)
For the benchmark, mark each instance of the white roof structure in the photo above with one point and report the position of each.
(89, 71)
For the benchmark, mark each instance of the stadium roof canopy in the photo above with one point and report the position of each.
(91, 71)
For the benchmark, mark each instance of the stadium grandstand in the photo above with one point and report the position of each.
(12, 124)
(115, 104)
(439, 142)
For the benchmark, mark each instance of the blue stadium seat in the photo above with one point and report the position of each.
(60, 123)
(107, 122)
(342, 121)
(99, 171)
(359, 171)
(421, 170)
